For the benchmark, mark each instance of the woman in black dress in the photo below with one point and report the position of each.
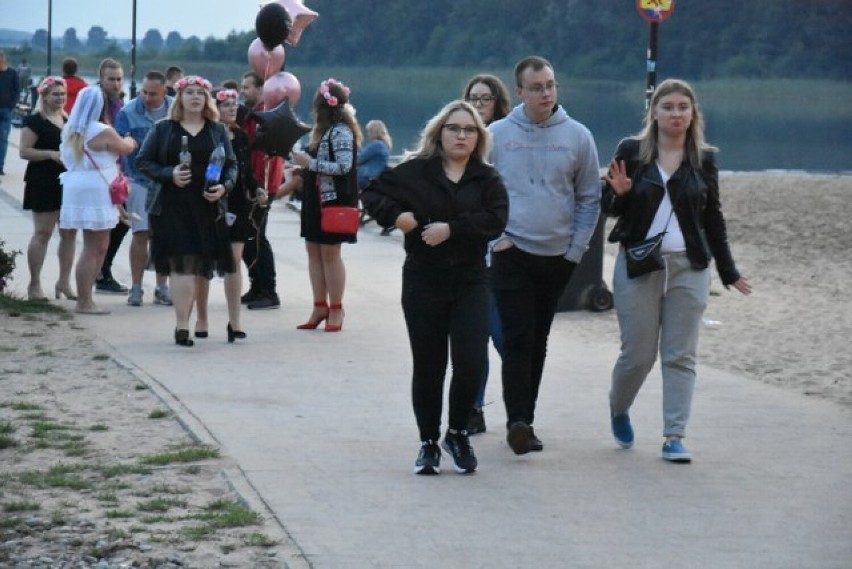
(329, 175)
(40, 138)
(189, 235)
(239, 203)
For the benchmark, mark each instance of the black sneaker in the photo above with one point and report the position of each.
(265, 302)
(429, 459)
(458, 445)
(476, 423)
(519, 437)
(535, 443)
(252, 295)
(109, 285)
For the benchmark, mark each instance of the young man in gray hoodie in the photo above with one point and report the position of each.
(549, 165)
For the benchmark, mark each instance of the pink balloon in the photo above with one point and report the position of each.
(279, 86)
(265, 62)
(301, 16)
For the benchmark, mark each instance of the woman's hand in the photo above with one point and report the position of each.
(406, 222)
(181, 176)
(55, 156)
(301, 159)
(618, 179)
(436, 233)
(261, 196)
(214, 193)
(742, 285)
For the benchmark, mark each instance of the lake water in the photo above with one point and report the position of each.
(772, 138)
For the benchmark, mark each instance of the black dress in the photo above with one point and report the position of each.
(189, 236)
(42, 190)
(240, 199)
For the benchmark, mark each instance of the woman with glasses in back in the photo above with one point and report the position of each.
(448, 202)
(490, 97)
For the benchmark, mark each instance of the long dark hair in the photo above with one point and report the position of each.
(498, 90)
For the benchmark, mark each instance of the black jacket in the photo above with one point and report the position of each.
(476, 208)
(695, 195)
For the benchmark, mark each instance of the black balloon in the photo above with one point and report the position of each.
(272, 25)
(278, 130)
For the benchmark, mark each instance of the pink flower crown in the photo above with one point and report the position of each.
(225, 94)
(329, 98)
(193, 80)
(47, 83)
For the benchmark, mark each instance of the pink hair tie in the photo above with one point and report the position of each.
(225, 94)
(47, 83)
(183, 82)
(329, 98)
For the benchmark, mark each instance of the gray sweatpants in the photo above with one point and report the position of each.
(661, 308)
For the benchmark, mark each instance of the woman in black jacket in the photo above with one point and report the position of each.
(448, 202)
(189, 239)
(665, 180)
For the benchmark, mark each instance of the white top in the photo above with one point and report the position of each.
(673, 239)
(85, 191)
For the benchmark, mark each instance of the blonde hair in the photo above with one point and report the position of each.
(376, 130)
(429, 145)
(210, 111)
(46, 88)
(695, 145)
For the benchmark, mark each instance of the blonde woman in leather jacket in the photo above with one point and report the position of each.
(665, 179)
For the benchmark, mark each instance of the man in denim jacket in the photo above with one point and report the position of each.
(137, 118)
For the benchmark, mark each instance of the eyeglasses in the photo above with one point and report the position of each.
(457, 130)
(541, 89)
(483, 100)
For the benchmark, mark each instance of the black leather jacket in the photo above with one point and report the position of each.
(695, 195)
(476, 209)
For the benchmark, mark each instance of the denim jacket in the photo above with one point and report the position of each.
(134, 120)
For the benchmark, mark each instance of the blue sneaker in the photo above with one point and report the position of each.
(674, 451)
(135, 296)
(622, 430)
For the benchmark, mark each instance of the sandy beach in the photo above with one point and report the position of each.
(790, 237)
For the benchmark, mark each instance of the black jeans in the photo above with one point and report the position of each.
(527, 289)
(440, 305)
(116, 236)
(257, 254)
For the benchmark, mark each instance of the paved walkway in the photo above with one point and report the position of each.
(322, 428)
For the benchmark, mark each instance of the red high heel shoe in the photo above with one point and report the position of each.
(335, 327)
(314, 324)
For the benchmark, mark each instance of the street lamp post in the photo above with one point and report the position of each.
(49, 35)
(133, 55)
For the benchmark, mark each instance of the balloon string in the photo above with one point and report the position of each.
(268, 63)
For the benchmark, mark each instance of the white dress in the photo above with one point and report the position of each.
(85, 194)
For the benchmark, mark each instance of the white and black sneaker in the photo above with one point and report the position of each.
(429, 459)
(458, 445)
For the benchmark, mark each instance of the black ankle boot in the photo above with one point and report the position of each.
(182, 338)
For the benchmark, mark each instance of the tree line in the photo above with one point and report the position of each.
(701, 39)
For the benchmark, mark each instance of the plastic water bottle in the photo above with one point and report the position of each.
(214, 167)
(185, 157)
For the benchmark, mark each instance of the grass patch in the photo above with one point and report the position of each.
(188, 454)
(100, 357)
(110, 497)
(256, 539)
(8, 349)
(119, 514)
(14, 306)
(21, 506)
(9, 522)
(59, 476)
(7, 442)
(99, 428)
(229, 514)
(160, 505)
(22, 406)
(158, 414)
(115, 470)
(43, 429)
(140, 387)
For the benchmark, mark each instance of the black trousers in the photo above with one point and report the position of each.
(527, 289)
(257, 254)
(446, 312)
(116, 236)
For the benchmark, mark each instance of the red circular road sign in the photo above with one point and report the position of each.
(655, 10)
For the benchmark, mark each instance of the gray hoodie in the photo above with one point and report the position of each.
(552, 177)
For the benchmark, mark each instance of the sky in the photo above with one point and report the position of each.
(215, 17)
